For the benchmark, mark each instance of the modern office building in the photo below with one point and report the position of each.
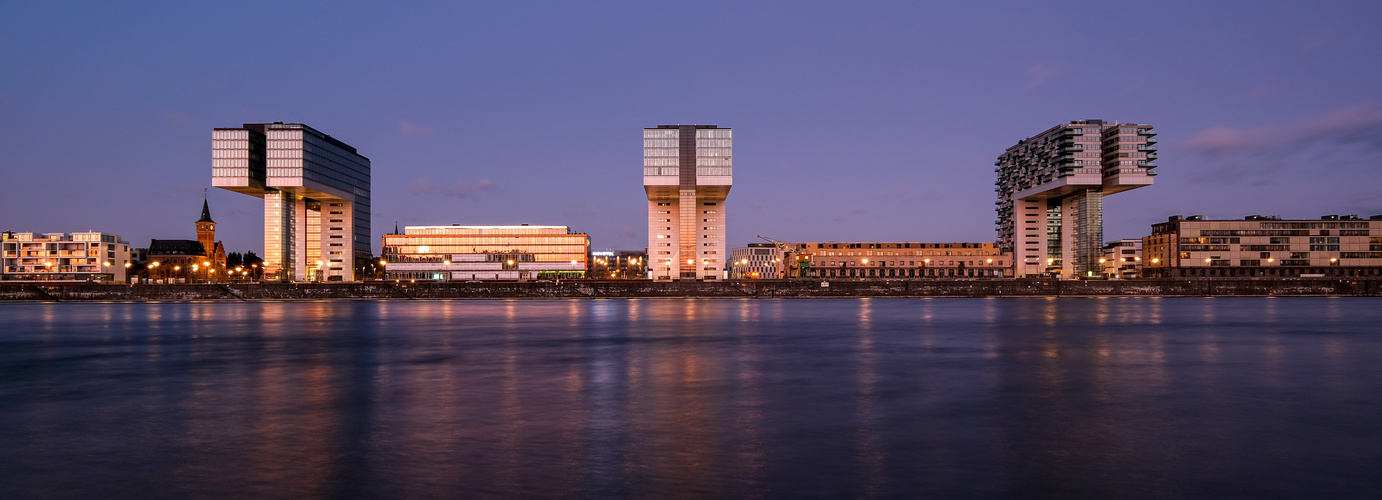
(1259, 246)
(756, 261)
(687, 173)
(316, 192)
(1051, 189)
(899, 260)
(466, 253)
(64, 257)
(1122, 259)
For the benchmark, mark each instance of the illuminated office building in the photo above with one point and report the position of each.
(687, 173)
(465, 253)
(1051, 189)
(316, 192)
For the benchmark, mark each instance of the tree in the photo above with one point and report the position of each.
(256, 264)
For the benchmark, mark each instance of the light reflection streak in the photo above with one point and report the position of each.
(870, 449)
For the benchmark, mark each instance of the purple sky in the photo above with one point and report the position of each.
(876, 122)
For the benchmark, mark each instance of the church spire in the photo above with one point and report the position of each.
(206, 209)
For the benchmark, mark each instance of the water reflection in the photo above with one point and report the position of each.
(693, 398)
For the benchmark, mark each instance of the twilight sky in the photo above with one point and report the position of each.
(853, 121)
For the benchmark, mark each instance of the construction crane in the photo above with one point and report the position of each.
(796, 265)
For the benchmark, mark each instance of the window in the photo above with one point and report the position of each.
(708, 212)
(709, 204)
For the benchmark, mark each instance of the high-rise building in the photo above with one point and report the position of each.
(1051, 189)
(316, 192)
(687, 173)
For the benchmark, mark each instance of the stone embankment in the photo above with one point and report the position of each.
(75, 292)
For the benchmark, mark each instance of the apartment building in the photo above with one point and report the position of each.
(1122, 259)
(899, 260)
(83, 256)
(1258, 246)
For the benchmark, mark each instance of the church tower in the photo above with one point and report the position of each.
(206, 229)
(206, 235)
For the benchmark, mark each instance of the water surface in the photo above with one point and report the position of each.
(828, 398)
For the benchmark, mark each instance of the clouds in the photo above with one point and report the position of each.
(458, 189)
(1039, 74)
(413, 130)
(1357, 124)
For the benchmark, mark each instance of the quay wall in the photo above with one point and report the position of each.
(77, 292)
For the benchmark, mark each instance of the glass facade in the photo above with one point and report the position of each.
(316, 192)
(485, 253)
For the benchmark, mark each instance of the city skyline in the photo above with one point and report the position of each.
(875, 123)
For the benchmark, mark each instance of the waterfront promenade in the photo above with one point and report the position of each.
(65, 292)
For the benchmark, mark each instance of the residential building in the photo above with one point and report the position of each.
(88, 256)
(316, 192)
(1051, 189)
(618, 264)
(1122, 259)
(481, 253)
(1258, 246)
(899, 260)
(687, 173)
(756, 261)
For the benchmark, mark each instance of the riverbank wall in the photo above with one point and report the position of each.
(78, 292)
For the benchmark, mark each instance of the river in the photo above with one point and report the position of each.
(1130, 397)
